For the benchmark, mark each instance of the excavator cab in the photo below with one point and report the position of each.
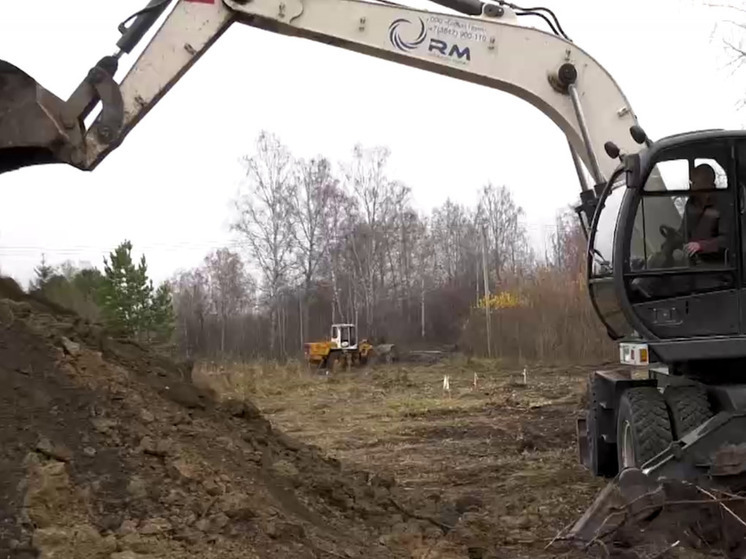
(666, 275)
(665, 258)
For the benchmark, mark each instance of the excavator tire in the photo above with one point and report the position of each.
(688, 408)
(643, 426)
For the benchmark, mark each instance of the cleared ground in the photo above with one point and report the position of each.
(499, 445)
(111, 451)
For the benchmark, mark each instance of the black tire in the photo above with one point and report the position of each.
(644, 410)
(331, 361)
(603, 460)
(688, 408)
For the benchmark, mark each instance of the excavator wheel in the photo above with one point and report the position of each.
(643, 426)
(688, 408)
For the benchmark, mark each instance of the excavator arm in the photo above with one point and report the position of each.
(488, 47)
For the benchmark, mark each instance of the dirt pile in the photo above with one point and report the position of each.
(637, 516)
(107, 450)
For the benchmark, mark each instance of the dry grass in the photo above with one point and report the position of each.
(555, 321)
(251, 380)
(509, 445)
(506, 447)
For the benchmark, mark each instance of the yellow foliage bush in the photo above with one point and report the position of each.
(503, 300)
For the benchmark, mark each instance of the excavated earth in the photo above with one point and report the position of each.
(109, 451)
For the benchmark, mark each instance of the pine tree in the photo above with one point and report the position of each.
(131, 305)
(44, 273)
(163, 319)
(88, 282)
(125, 291)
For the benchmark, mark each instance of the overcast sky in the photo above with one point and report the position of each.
(169, 187)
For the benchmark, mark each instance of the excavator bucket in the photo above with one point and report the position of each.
(32, 127)
(691, 491)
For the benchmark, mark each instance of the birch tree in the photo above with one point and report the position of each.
(366, 180)
(311, 210)
(501, 217)
(191, 306)
(264, 218)
(229, 287)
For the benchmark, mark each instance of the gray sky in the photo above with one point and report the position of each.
(168, 188)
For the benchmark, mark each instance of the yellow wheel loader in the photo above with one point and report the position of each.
(342, 349)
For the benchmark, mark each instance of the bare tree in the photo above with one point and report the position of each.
(500, 215)
(230, 288)
(311, 209)
(378, 199)
(453, 244)
(355, 250)
(264, 218)
(421, 269)
(340, 225)
(190, 303)
(567, 243)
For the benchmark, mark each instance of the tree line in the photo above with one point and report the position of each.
(318, 243)
(122, 297)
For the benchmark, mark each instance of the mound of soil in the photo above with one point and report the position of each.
(107, 450)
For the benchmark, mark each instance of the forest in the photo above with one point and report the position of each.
(317, 243)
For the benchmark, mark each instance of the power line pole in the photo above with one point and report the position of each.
(486, 295)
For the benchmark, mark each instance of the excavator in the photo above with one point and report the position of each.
(675, 406)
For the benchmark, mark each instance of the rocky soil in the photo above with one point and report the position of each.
(499, 444)
(109, 451)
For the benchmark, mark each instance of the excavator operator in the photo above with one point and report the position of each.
(701, 236)
(700, 239)
(701, 224)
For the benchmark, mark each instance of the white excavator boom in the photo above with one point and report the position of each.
(544, 69)
(491, 49)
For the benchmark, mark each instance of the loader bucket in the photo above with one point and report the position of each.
(679, 493)
(30, 132)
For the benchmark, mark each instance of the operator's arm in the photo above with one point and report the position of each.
(703, 232)
(711, 223)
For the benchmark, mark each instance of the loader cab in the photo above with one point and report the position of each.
(666, 249)
(344, 336)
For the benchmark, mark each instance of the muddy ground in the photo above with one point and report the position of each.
(109, 450)
(503, 449)
(499, 445)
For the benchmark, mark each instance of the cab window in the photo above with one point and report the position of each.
(684, 221)
(602, 251)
